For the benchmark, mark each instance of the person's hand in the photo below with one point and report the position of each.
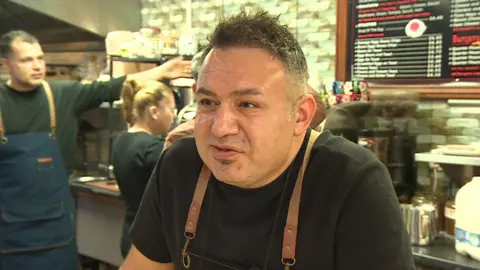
(176, 68)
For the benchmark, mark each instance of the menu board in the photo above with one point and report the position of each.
(415, 40)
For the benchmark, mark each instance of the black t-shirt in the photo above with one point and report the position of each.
(134, 158)
(349, 214)
(24, 112)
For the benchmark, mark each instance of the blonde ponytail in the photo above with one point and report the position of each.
(130, 89)
(137, 97)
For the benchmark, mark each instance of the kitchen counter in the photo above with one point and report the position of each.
(78, 186)
(442, 255)
(99, 218)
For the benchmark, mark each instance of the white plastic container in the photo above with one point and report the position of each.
(467, 219)
(188, 43)
(115, 40)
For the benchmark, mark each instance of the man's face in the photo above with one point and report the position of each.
(244, 124)
(25, 64)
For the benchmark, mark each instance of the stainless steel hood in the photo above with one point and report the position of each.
(70, 26)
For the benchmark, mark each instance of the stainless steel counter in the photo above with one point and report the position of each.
(82, 186)
(100, 215)
(442, 255)
(99, 218)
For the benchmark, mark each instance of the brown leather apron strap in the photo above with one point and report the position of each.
(290, 232)
(291, 227)
(51, 107)
(3, 138)
(194, 213)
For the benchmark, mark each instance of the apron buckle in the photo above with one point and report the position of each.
(3, 139)
(185, 255)
(288, 262)
(52, 133)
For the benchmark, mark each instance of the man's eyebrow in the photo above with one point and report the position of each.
(206, 92)
(246, 92)
(240, 92)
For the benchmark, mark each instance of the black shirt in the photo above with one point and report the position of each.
(134, 158)
(24, 112)
(349, 214)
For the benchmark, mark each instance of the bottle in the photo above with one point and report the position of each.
(467, 219)
(450, 217)
(188, 44)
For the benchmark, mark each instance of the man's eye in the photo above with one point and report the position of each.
(206, 102)
(248, 105)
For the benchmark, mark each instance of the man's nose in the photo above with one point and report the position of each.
(225, 122)
(37, 64)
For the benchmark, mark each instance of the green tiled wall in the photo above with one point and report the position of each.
(311, 21)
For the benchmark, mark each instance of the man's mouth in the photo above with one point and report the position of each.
(223, 152)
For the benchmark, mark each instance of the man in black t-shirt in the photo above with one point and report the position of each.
(252, 132)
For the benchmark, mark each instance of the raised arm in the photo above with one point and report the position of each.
(172, 69)
(91, 95)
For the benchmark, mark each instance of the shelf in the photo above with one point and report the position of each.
(159, 60)
(457, 90)
(447, 159)
(137, 60)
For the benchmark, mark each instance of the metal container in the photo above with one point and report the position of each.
(421, 223)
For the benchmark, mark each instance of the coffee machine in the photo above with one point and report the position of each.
(384, 125)
(394, 111)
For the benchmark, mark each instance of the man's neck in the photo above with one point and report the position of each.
(20, 87)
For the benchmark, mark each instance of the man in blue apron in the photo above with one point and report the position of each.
(37, 228)
(36, 208)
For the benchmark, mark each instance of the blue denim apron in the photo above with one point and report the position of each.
(37, 229)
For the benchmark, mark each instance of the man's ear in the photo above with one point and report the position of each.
(194, 88)
(306, 108)
(5, 63)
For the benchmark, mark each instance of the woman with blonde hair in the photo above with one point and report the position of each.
(149, 109)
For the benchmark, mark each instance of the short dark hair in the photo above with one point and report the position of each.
(259, 29)
(7, 39)
(196, 65)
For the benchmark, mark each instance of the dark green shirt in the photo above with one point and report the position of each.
(25, 112)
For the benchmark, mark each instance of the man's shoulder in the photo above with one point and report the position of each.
(181, 154)
(338, 164)
(3, 86)
(183, 130)
(63, 84)
(63, 88)
(341, 149)
(179, 166)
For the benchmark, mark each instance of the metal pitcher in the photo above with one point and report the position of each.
(421, 223)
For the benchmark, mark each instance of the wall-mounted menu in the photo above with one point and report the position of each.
(415, 39)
